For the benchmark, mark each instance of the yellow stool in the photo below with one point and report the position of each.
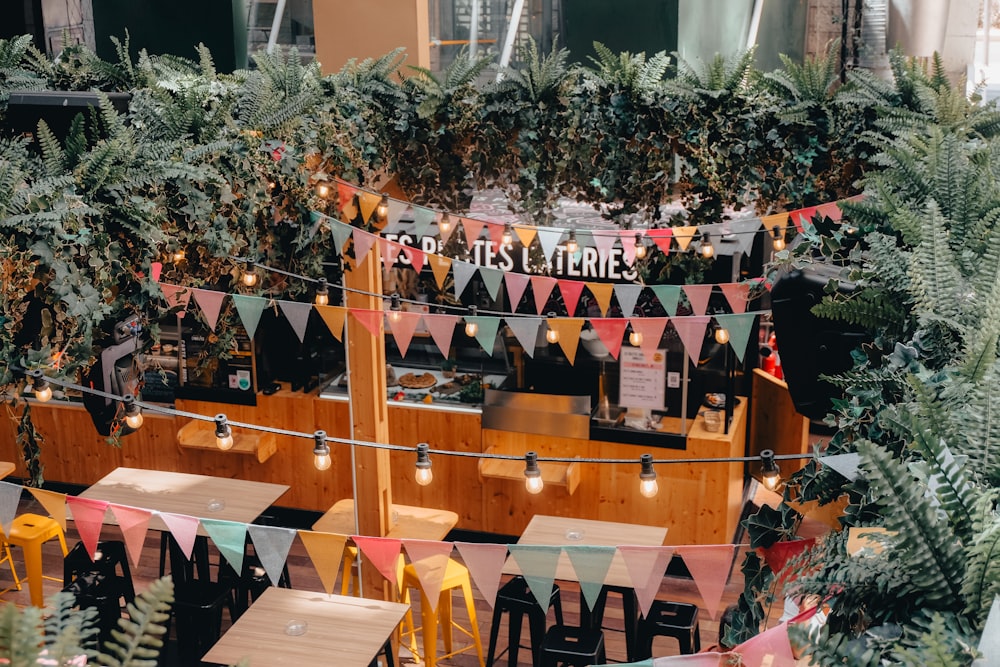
(9, 559)
(30, 531)
(455, 576)
(349, 577)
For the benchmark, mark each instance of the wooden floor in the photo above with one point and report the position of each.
(303, 576)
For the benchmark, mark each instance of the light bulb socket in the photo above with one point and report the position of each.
(531, 468)
(131, 407)
(322, 288)
(321, 448)
(423, 460)
(770, 473)
(395, 303)
(222, 429)
(646, 460)
(40, 385)
(508, 234)
(571, 243)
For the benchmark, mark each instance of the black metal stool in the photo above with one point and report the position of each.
(630, 614)
(566, 645)
(104, 584)
(516, 598)
(669, 619)
(198, 608)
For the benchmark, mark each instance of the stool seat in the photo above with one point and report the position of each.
(198, 608)
(516, 599)
(669, 619)
(30, 531)
(566, 645)
(455, 576)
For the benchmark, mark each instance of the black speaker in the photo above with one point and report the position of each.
(811, 346)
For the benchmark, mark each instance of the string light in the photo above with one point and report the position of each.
(571, 243)
(635, 338)
(648, 487)
(322, 293)
(707, 249)
(777, 238)
(471, 326)
(424, 475)
(640, 247)
(507, 239)
(721, 335)
(133, 413)
(395, 309)
(551, 335)
(323, 190)
(249, 277)
(532, 474)
(382, 210)
(444, 225)
(769, 471)
(176, 256)
(223, 434)
(321, 451)
(41, 386)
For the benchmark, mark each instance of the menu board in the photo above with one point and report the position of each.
(641, 380)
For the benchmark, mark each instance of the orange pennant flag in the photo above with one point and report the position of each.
(684, 235)
(54, 503)
(334, 317)
(440, 266)
(602, 292)
(326, 551)
(779, 220)
(368, 202)
(568, 329)
(525, 234)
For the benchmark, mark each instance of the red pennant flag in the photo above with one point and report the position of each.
(383, 552)
(370, 319)
(610, 331)
(134, 523)
(571, 291)
(831, 210)
(345, 194)
(155, 269)
(390, 251)
(802, 216)
(495, 231)
(416, 257)
(473, 228)
(778, 554)
(661, 237)
(88, 515)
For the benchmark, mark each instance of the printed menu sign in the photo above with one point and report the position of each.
(641, 379)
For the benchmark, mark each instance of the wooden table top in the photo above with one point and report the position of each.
(345, 631)
(569, 531)
(409, 522)
(199, 496)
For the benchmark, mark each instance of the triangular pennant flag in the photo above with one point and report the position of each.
(491, 280)
(363, 242)
(442, 329)
(548, 238)
(440, 266)
(628, 296)
(541, 288)
(830, 210)
(571, 291)
(515, 284)
(271, 544)
(698, 296)
(403, 324)
(230, 538)
(415, 256)
(845, 464)
(770, 648)
(525, 235)
(661, 237)
(88, 515)
(349, 211)
(473, 228)
(463, 272)
(53, 502)
(604, 242)
(325, 550)
(297, 314)
(334, 317)
(610, 331)
(422, 219)
(668, 296)
(369, 319)
(389, 251)
(176, 296)
(10, 496)
(538, 566)
(602, 293)
(745, 231)
(134, 522)
(368, 202)
(778, 554)
(739, 327)
(651, 330)
(591, 563)
(736, 294)
(568, 329)
(525, 329)
(210, 303)
(646, 567)
(184, 530)
(249, 308)
(684, 235)
(989, 641)
(345, 194)
(779, 220)
(383, 552)
(485, 562)
(430, 560)
(802, 216)
(495, 230)
(692, 333)
(709, 567)
(703, 659)
(396, 210)
(486, 332)
(628, 245)
(155, 269)
(340, 233)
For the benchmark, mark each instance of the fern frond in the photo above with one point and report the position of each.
(53, 157)
(982, 575)
(138, 638)
(871, 308)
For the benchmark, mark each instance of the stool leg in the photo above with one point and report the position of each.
(430, 630)
(536, 627)
(494, 632)
(470, 607)
(33, 566)
(630, 612)
(445, 616)
(514, 637)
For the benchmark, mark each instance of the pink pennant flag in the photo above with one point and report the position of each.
(646, 567)
(542, 287)
(383, 552)
(88, 515)
(176, 295)
(516, 284)
(363, 242)
(737, 295)
(704, 659)
(692, 333)
(184, 530)
(709, 566)
(698, 295)
(651, 330)
(390, 251)
(430, 560)
(485, 562)
(661, 237)
(155, 269)
(604, 242)
(571, 291)
(210, 303)
(416, 257)
(610, 331)
(369, 319)
(473, 228)
(403, 324)
(770, 648)
(442, 329)
(628, 245)
(134, 522)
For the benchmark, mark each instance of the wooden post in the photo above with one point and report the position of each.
(367, 388)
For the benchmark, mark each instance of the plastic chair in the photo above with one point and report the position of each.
(455, 576)
(30, 531)
(669, 619)
(566, 645)
(516, 599)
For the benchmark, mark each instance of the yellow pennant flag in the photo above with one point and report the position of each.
(334, 317)
(602, 292)
(684, 235)
(368, 202)
(54, 503)
(439, 265)
(568, 329)
(779, 220)
(525, 234)
(325, 550)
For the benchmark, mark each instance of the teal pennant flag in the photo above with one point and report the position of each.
(668, 295)
(249, 308)
(230, 538)
(538, 565)
(486, 334)
(591, 563)
(739, 326)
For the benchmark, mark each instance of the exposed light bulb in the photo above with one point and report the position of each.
(423, 475)
(647, 478)
(571, 244)
(322, 293)
(321, 451)
(770, 473)
(777, 238)
(507, 239)
(249, 277)
(323, 190)
(177, 256)
(133, 413)
(471, 326)
(707, 249)
(395, 309)
(532, 474)
(444, 225)
(635, 338)
(382, 210)
(552, 335)
(223, 434)
(640, 247)
(722, 335)
(41, 387)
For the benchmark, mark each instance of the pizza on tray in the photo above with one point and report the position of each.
(422, 381)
